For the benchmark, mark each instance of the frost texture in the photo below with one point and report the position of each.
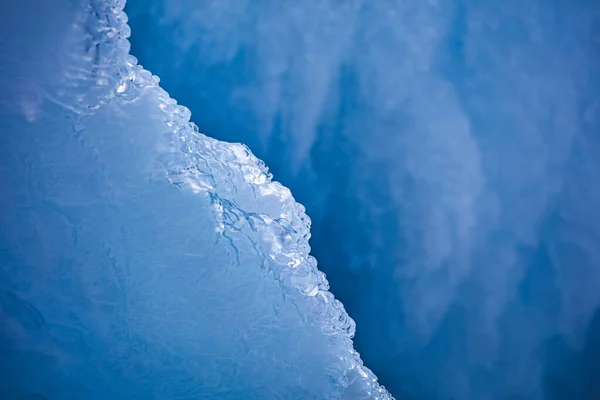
(142, 259)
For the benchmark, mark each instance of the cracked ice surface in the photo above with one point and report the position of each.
(140, 258)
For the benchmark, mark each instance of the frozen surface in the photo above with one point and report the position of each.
(141, 259)
(448, 153)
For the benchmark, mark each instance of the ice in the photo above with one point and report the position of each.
(140, 258)
(446, 152)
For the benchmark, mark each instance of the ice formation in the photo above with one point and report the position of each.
(140, 258)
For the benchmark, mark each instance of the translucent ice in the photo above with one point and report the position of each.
(140, 258)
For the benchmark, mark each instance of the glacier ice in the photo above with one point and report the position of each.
(446, 152)
(140, 258)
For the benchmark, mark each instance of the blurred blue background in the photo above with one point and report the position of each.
(448, 153)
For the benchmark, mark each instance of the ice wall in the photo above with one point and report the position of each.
(447, 152)
(139, 258)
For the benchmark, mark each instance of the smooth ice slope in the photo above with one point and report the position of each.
(139, 258)
(448, 155)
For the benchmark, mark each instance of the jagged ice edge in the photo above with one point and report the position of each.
(192, 159)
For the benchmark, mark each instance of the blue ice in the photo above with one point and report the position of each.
(141, 259)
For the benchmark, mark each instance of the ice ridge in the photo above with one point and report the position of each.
(249, 205)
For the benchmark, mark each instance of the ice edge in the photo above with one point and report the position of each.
(282, 240)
